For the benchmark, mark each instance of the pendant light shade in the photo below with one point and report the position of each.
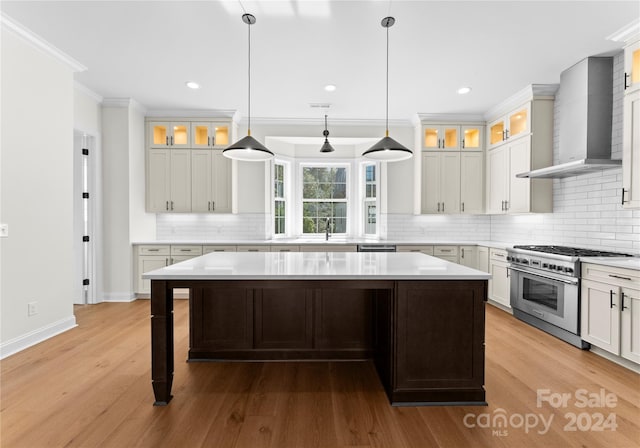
(326, 147)
(248, 148)
(388, 149)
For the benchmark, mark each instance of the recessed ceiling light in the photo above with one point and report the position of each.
(463, 90)
(192, 85)
(330, 88)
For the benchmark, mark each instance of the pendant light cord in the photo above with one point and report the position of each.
(249, 77)
(387, 98)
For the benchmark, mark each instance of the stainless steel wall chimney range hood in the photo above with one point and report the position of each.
(585, 110)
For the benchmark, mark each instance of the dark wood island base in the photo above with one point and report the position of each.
(426, 337)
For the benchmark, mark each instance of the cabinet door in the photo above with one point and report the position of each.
(599, 315)
(631, 151)
(518, 122)
(632, 67)
(158, 180)
(472, 183)
(471, 138)
(441, 137)
(519, 198)
(630, 324)
(496, 133)
(201, 180)
(450, 182)
(180, 181)
(483, 259)
(220, 182)
(496, 180)
(283, 318)
(169, 134)
(431, 182)
(469, 256)
(499, 287)
(148, 263)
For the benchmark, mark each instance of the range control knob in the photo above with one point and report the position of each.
(545, 265)
(559, 268)
(509, 258)
(525, 261)
(568, 270)
(552, 266)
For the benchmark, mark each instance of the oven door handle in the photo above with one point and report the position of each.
(573, 281)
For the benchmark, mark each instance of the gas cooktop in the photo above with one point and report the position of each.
(572, 251)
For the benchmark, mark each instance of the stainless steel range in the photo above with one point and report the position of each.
(545, 288)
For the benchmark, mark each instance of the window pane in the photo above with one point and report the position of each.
(370, 175)
(339, 225)
(340, 210)
(339, 191)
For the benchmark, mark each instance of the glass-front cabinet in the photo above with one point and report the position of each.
(632, 67)
(164, 134)
(451, 137)
(512, 125)
(209, 135)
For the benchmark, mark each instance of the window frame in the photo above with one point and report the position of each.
(364, 200)
(287, 191)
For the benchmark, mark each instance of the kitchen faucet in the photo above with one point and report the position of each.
(326, 229)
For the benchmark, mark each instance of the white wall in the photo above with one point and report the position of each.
(142, 224)
(36, 194)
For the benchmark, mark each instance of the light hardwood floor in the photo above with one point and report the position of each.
(90, 387)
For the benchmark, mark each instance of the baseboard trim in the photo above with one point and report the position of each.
(119, 297)
(615, 359)
(34, 337)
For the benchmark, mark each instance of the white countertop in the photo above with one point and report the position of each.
(622, 262)
(316, 266)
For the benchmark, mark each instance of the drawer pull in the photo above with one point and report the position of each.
(445, 250)
(185, 250)
(611, 298)
(620, 277)
(153, 250)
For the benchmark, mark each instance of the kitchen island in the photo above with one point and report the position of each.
(420, 318)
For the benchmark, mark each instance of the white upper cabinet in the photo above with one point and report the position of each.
(512, 125)
(631, 151)
(441, 182)
(168, 181)
(471, 182)
(166, 134)
(209, 135)
(210, 182)
(632, 66)
(452, 137)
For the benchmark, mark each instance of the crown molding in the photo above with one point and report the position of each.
(87, 91)
(532, 91)
(419, 118)
(38, 42)
(627, 32)
(264, 121)
(195, 113)
(116, 102)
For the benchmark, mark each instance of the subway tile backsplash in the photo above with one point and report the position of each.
(200, 226)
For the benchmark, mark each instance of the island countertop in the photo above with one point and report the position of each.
(316, 266)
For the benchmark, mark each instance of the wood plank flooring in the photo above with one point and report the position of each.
(90, 387)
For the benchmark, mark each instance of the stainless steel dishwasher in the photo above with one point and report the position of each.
(376, 247)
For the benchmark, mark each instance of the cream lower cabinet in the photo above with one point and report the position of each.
(169, 180)
(499, 284)
(610, 310)
(449, 253)
(440, 182)
(210, 181)
(483, 258)
(468, 256)
(427, 250)
(631, 151)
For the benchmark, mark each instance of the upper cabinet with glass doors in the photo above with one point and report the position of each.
(456, 137)
(512, 125)
(632, 67)
(165, 134)
(209, 135)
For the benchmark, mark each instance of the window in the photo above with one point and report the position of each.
(370, 197)
(279, 195)
(324, 199)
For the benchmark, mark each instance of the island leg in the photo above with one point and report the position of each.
(161, 341)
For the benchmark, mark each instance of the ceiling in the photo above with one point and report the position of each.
(147, 50)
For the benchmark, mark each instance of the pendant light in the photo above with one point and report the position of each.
(248, 148)
(387, 149)
(326, 147)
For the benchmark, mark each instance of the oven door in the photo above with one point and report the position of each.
(549, 297)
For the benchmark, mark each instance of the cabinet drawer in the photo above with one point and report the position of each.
(611, 275)
(154, 250)
(423, 249)
(253, 248)
(498, 255)
(328, 248)
(284, 248)
(445, 251)
(209, 249)
(186, 250)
